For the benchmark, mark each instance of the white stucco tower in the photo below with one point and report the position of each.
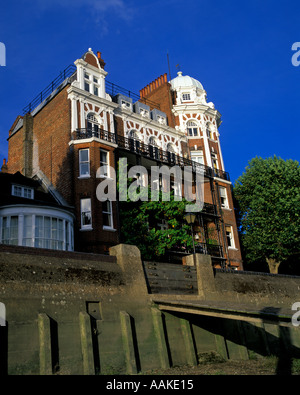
(199, 120)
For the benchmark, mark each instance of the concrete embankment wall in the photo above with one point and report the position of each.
(73, 313)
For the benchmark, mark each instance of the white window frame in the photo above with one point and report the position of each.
(86, 226)
(229, 237)
(85, 175)
(193, 126)
(160, 119)
(214, 161)
(34, 235)
(109, 214)
(197, 156)
(23, 191)
(104, 165)
(89, 81)
(223, 197)
(186, 96)
(125, 104)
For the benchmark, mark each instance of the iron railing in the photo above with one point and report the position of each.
(113, 90)
(86, 133)
(66, 73)
(214, 250)
(156, 153)
(151, 152)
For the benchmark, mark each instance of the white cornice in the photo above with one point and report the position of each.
(83, 63)
(128, 115)
(77, 93)
(91, 139)
(195, 108)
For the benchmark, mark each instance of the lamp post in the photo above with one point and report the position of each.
(190, 219)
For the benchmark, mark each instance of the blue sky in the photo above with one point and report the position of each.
(239, 50)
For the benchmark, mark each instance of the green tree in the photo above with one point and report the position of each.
(268, 200)
(139, 226)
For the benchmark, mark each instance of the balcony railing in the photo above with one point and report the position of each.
(221, 174)
(214, 250)
(209, 208)
(114, 89)
(99, 133)
(156, 153)
(148, 151)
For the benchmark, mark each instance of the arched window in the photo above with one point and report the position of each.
(133, 141)
(192, 129)
(153, 148)
(92, 125)
(171, 152)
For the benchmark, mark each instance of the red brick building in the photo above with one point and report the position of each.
(82, 123)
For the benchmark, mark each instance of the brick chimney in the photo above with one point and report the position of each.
(101, 61)
(4, 168)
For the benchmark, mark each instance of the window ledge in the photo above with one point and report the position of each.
(232, 248)
(84, 177)
(109, 229)
(85, 229)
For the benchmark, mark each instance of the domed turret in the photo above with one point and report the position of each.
(185, 81)
(188, 90)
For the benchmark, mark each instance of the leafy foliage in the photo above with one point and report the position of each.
(268, 203)
(139, 226)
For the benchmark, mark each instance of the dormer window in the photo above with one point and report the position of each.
(125, 104)
(186, 97)
(91, 84)
(22, 191)
(161, 120)
(144, 113)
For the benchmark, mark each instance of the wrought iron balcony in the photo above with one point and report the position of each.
(210, 209)
(214, 250)
(87, 133)
(148, 151)
(156, 153)
(221, 174)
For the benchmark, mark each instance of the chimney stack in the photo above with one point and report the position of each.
(101, 61)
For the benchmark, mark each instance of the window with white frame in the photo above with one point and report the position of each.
(37, 230)
(209, 131)
(126, 104)
(10, 229)
(51, 233)
(229, 236)
(214, 159)
(162, 120)
(22, 191)
(153, 148)
(104, 163)
(223, 197)
(186, 97)
(91, 84)
(86, 213)
(171, 152)
(197, 156)
(92, 123)
(107, 215)
(192, 129)
(144, 113)
(84, 162)
(133, 141)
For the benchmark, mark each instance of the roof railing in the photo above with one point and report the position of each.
(66, 73)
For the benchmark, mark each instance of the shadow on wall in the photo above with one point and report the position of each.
(264, 339)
